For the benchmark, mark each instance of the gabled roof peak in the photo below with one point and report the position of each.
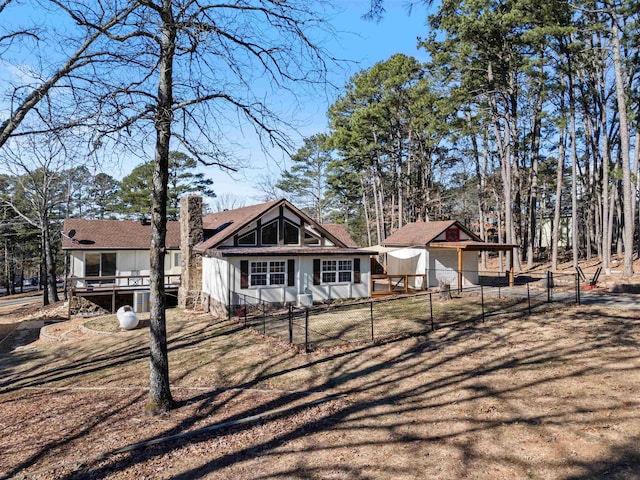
(239, 218)
(422, 233)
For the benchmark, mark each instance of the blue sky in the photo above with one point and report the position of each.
(363, 43)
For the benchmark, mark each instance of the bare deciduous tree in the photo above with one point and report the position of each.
(188, 71)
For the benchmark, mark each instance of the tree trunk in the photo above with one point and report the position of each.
(555, 236)
(574, 173)
(160, 398)
(533, 189)
(49, 280)
(43, 268)
(627, 201)
(365, 204)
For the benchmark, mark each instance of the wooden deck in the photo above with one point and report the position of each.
(383, 285)
(112, 292)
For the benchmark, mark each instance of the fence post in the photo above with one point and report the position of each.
(371, 310)
(577, 289)
(528, 298)
(290, 325)
(245, 310)
(482, 300)
(264, 319)
(306, 330)
(431, 310)
(549, 280)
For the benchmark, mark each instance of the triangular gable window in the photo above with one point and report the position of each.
(270, 233)
(247, 238)
(310, 239)
(291, 234)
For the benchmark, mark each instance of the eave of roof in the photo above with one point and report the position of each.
(472, 245)
(289, 251)
(237, 219)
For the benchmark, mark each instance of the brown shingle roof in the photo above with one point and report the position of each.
(226, 223)
(340, 232)
(114, 234)
(422, 233)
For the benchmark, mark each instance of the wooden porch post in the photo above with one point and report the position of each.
(459, 269)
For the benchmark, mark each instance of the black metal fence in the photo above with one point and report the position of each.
(333, 324)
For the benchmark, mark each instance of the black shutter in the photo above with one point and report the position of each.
(356, 270)
(291, 273)
(244, 273)
(316, 271)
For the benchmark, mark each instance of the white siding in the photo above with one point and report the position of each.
(215, 279)
(470, 267)
(217, 269)
(128, 263)
(442, 264)
(335, 290)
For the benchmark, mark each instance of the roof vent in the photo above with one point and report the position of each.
(144, 221)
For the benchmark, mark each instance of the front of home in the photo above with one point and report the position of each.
(275, 253)
(266, 253)
(271, 252)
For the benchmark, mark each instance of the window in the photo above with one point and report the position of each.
(247, 238)
(177, 259)
(345, 270)
(337, 271)
(268, 273)
(270, 233)
(291, 234)
(277, 273)
(310, 239)
(100, 264)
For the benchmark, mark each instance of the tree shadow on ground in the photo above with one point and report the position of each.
(461, 389)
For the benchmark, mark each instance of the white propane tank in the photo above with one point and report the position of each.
(127, 318)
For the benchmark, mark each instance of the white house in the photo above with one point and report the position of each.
(271, 252)
(108, 262)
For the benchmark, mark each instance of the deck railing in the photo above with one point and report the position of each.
(396, 284)
(80, 284)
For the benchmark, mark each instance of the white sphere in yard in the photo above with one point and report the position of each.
(127, 318)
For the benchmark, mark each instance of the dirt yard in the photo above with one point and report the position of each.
(555, 395)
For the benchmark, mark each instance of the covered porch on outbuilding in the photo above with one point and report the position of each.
(475, 246)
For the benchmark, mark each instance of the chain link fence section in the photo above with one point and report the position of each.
(330, 325)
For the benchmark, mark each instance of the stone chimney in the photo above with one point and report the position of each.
(191, 234)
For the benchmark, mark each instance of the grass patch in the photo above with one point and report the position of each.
(110, 324)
